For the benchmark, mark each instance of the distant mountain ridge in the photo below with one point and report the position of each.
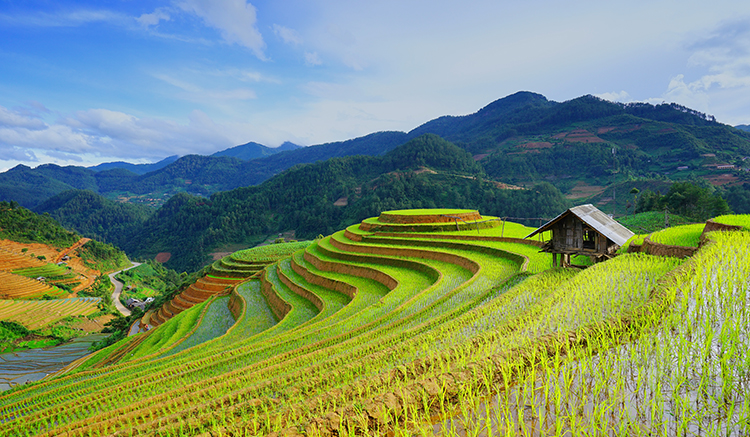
(135, 168)
(522, 138)
(254, 150)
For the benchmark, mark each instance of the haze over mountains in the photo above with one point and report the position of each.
(585, 149)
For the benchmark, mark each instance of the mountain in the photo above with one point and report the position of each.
(321, 197)
(744, 127)
(253, 150)
(135, 168)
(195, 174)
(581, 146)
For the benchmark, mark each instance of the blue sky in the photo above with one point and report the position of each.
(89, 82)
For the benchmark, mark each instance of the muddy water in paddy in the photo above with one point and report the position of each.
(33, 365)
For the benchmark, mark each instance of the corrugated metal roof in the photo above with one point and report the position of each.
(595, 218)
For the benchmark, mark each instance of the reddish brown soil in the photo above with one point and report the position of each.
(163, 257)
(722, 179)
(481, 156)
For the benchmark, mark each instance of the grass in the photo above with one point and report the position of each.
(686, 235)
(734, 219)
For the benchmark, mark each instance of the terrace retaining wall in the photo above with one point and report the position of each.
(386, 217)
(427, 228)
(348, 269)
(302, 292)
(357, 237)
(466, 263)
(331, 284)
(659, 249)
(712, 226)
(520, 259)
(236, 304)
(279, 306)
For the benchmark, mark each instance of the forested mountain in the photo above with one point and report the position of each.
(95, 216)
(195, 174)
(426, 172)
(522, 139)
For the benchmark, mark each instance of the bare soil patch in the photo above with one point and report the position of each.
(163, 257)
(722, 179)
(480, 156)
(579, 136)
(219, 255)
(341, 201)
(582, 190)
(425, 170)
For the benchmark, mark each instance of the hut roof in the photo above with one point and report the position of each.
(595, 218)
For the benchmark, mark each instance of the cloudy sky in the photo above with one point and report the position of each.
(84, 82)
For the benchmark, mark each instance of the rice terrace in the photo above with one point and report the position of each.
(428, 322)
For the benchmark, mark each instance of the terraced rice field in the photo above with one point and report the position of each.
(20, 287)
(35, 314)
(225, 274)
(367, 333)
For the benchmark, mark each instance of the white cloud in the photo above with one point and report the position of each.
(312, 59)
(235, 19)
(63, 18)
(289, 36)
(153, 19)
(196, 93)
(18, 119)
(621, 96)
(721, 60)
(95, 134)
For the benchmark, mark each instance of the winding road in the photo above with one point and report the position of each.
(118, 289)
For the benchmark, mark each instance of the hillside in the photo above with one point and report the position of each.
(51, 289)
(410, 330)
(313, 199)
(95, 216)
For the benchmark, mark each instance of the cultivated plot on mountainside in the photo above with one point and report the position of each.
(457, 339)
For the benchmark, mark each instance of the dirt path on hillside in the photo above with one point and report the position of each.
(78, 244)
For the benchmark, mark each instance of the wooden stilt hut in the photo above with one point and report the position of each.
(583, 230)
